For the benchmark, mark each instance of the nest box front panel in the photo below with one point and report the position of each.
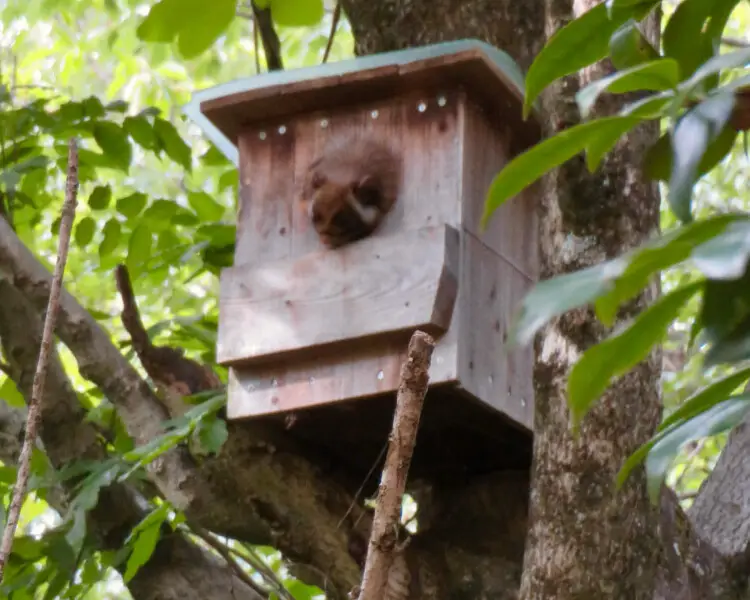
(423, 129)
(304, 326)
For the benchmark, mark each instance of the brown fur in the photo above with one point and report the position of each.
(350, 188)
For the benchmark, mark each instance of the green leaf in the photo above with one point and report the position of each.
(142, 132)
(717, 419)
(205, 206)
(173, 144)
(162, 22)
(160, 214)
(582, 42)
(713, 66)
(132, 205)
(706, 397)
(657, 163)
(139, 248)
(212, 434)
(628, 47)
(731, 349)
(662, 74)
(616, 355)
(214, 158)
(111, 231)
(726, 255)
(529, 166)
(692, 135)
(93, 107)
(558, 295)
(297, 13)
(10, 395)
(114, 143)
(683, 37)
(85, 232)
(148, 533)
(100, 197)
(655, 255)
(200, 28)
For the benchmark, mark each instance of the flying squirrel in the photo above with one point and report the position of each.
(350, 187)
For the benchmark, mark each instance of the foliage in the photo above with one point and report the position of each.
(155, 195)
(693, 88)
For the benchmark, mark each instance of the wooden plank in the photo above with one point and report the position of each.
(270, 224)
(378, 286)
(364, 369)
(512, 231)
(486, 367)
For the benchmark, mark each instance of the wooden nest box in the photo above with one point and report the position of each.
(315, 338)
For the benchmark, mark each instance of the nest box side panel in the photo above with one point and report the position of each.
(499, 266)
(512, 231)
(487, 369)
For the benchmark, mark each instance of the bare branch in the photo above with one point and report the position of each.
(224, 552)
(385, 526)
(735, 42)
(332, 34)
(33, 417)
(269, 38)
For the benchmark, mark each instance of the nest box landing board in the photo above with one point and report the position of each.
(321, 332)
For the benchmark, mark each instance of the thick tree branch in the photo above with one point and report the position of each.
(260, 489)
(67, 438)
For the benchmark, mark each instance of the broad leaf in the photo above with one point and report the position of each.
(114, 143)
(628, 47)
(162, 23)
(683, 37)
(619, 353)
(147, 535)
(657, 163)
(142, 132)
(84, 232)
(172, 143)
(529, 166)
(655, 255)
(205, 206)
(139, 248)
(692, 135)
(726, 255)
(705, 398)
(297, 13)
(132, 205)
(200, 28)
(717, 419)
(111, 239)
(100, 197)
(662, 74)
(580, 43)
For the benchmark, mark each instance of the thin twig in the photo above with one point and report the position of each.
(256, 562)
(237, 569)
(34, 414)
(332, 34)
(255, 44)
(385, 523)
(362, 486)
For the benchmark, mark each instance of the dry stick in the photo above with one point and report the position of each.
(409, 401)
(332, 34)
(37, 388)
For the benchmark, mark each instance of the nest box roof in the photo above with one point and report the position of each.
(491, 76)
